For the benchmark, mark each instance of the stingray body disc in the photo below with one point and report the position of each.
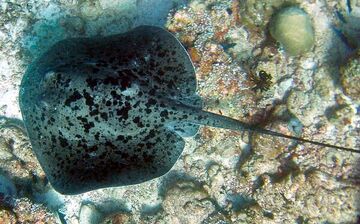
(92, 111)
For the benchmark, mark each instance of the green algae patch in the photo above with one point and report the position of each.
(292, 27)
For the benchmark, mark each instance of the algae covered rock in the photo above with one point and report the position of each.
(256, 13)
(292, 27)
(350, 77)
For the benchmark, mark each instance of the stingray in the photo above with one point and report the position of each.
(113, 111)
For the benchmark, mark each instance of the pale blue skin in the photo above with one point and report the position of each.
(113, 111)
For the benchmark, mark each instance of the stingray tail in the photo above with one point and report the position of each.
(215, 120)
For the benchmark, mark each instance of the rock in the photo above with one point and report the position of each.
(89, 214)
(5, 151)
(27, 211)
(257, 13)
(186, 202)
(121, 218)
(269, 149)
(293, 28)
(7, 216)
(350, 77)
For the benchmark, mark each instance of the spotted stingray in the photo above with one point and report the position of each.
(113, 111)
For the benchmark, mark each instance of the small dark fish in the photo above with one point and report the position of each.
(348, 4)
(113, 111)
(343, 38)
(227, 46)
(340, 16)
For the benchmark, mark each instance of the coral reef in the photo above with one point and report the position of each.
(222, 176)
(350, 77)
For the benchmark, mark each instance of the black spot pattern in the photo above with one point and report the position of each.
(102, 117)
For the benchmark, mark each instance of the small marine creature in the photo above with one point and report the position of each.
(113, 111)
(262, 81)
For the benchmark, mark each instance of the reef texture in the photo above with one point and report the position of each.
(222, 176)
(350, 77)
